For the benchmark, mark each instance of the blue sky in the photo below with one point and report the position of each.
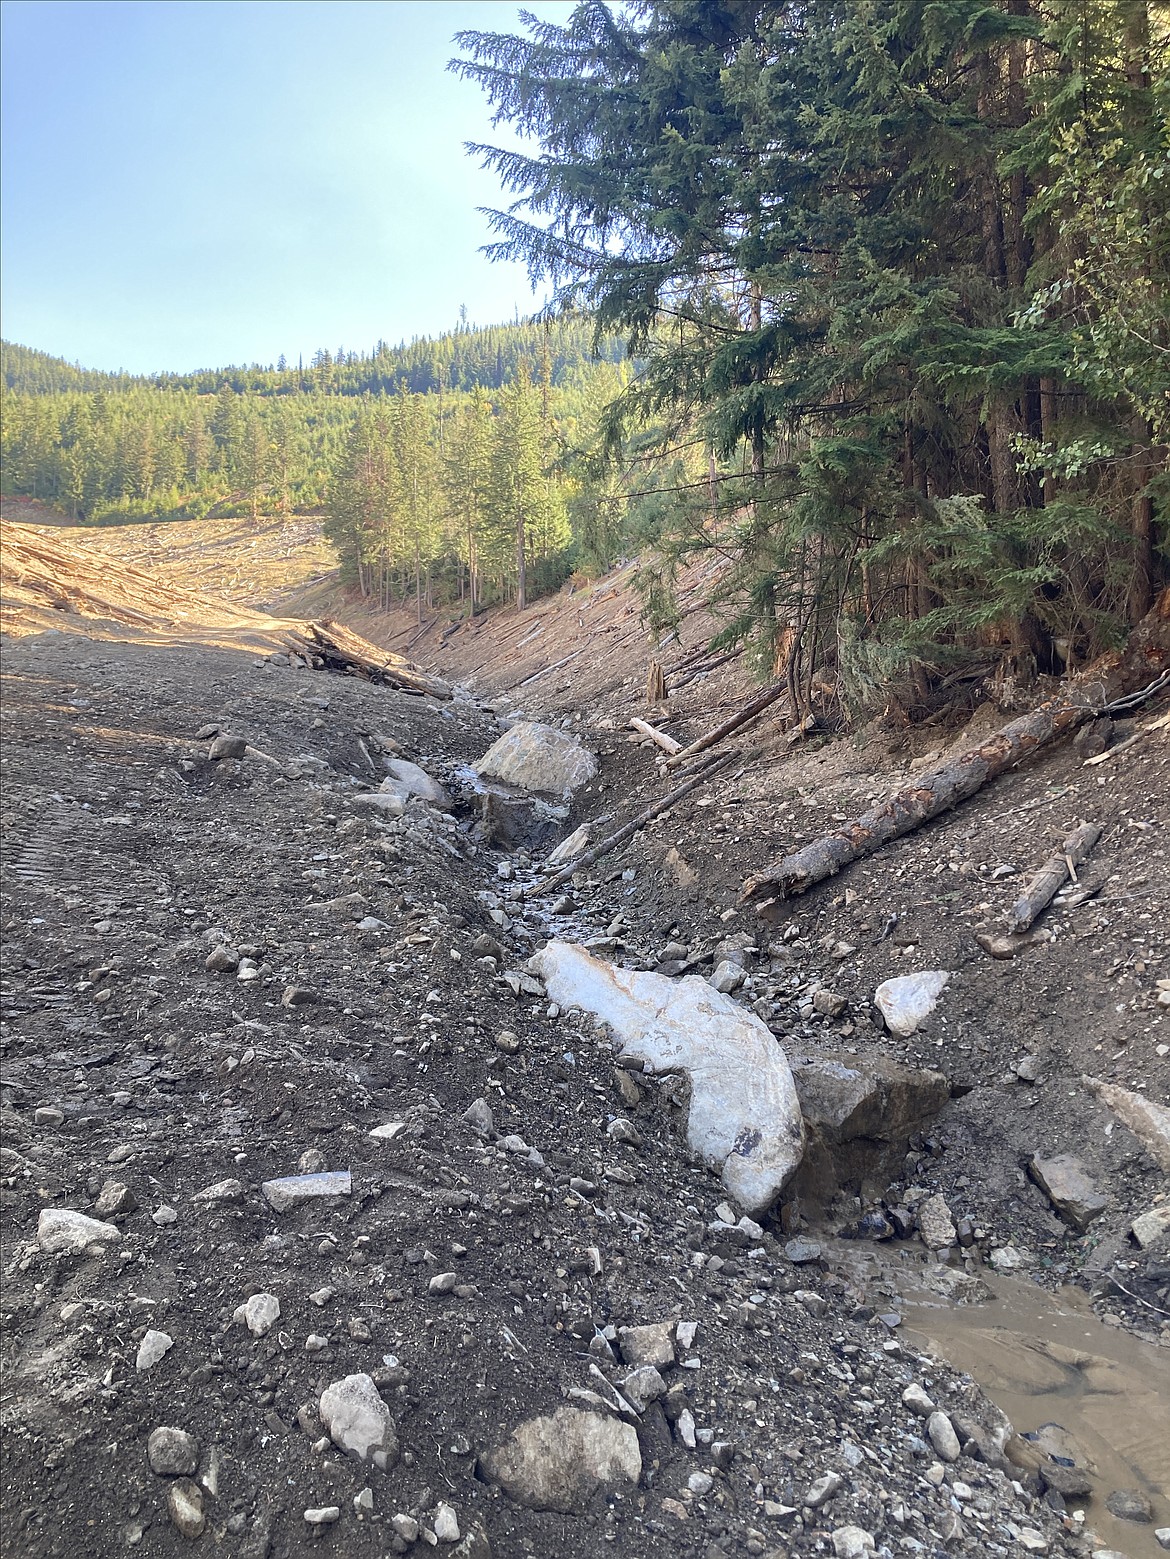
(197, 182)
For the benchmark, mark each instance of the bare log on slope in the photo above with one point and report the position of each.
(753, 708)
(660, 738)
(1043, 887)
(647, 815)
(934, 793)
(342, 650)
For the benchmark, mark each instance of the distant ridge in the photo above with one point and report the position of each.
(459, 359)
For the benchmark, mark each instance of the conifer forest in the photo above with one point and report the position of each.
(865, 299)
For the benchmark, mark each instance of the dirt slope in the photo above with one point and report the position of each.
(474, 1282)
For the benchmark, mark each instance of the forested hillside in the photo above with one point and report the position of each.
(445, 467)
(868, 300)
(902, 269)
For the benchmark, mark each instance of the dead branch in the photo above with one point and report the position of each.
(750, 711)
(907, 809)
(647, 815)
(655, 685)
(667, 743)
(1161, 724)
(1043, 887)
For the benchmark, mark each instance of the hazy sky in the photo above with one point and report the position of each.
(197, 182)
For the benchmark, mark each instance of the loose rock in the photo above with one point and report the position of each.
(60, 1229)
(172, 1452)
(358, 1421)
(151, 1349)
(446, 1524)
(1130, 1505)
(1067, 1184)
(941, 1433)
(185, 1506)
(558, 1462)
(906, 1001)
(260, 1314)
(936, 1224)
(293, 1190)
(852, 1543)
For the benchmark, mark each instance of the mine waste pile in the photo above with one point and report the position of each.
(428, 1128)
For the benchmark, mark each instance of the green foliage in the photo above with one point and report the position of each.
(896, 275)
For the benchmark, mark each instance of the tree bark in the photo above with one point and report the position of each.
(905, 810)
(521, 567)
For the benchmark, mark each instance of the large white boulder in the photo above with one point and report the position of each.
(559, 1462)
(538, 757)
(744, 1119)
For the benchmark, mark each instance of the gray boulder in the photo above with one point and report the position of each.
(1066, 1183)
(860, 1113)
(408, 779)
(538, 758)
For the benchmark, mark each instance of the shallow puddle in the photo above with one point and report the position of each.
(1046, 1359)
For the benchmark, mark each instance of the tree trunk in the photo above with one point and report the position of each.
(521, 566)
(905, 810)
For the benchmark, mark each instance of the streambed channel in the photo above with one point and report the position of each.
(1074, 1388)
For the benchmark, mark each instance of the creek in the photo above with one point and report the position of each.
(1046, 1360)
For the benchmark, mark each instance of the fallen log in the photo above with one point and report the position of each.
(1043, 887)
(647, 815)
(667, 743)
(750, 711)
(342, 650)
(907, 809)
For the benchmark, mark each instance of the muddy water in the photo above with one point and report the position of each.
(1046, 1359)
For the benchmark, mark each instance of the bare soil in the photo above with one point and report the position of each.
(129, 855)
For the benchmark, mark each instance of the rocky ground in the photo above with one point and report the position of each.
(390, 1254)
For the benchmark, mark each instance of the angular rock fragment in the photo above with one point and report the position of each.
(408, 779)
(60, 1229)
(293, 1190)
(114, 1200)
(558, 1462)
(259, 1314)
(222, 1191)
(358, 1421)
(185, 1506)
(1151, 1226)
(1066, 1183)
(152, 1348)
(936, 1224)
(650, 1344)
(906, 1001)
